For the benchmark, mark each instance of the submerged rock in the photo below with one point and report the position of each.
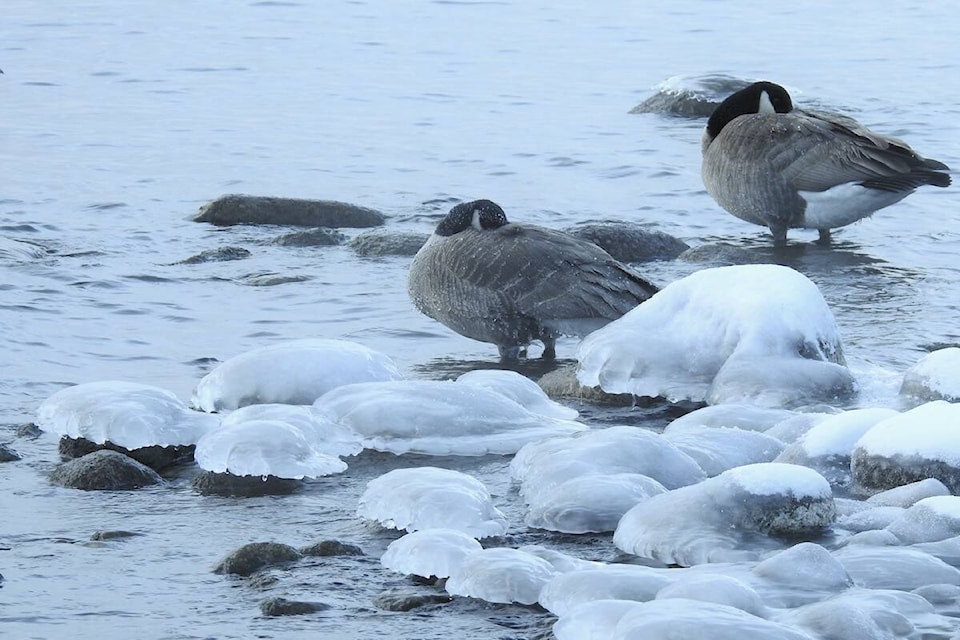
(226, 484)
(255, 556)
(320, 237)
(690, 96)
(719, 254)
(283, 607)
(7, 454)
(105, 471)
(243, 209)
(223, 254)
(112, 535)
(629, 242)
(156, 457)
(384, 243)
(396, 600)
(563, 383)
(327, 548)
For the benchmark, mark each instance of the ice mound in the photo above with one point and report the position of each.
(719, 589)
(561, 561)
(438, 418)
(567, 591)
(929, 520)
(917, 444)
(900, 568)
(729, 517)
(733, 416)
(800, 574)
(909, 494)
(323, 433)
(520, 389)
(935, 377)
(717, 449)
(588, 481)
(429, 552)
(127, 414)
(592, 620)
(295, 372)
(828, 446)
(431, 498)
(757, 333)
(501, 575)
(264, 448)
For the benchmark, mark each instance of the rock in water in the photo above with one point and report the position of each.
(255, 556)
(243, 209)
(104, 470)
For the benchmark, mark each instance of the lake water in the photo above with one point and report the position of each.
(119, 119)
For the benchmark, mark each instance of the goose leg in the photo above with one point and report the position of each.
(509, 353)
(779, 236)
(549, 349)
(824, 236)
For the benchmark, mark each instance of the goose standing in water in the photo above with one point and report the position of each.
(510, 284)
(771, 164)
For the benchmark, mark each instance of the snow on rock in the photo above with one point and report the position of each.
(828, 446)
(935, 377)
(757, 333)
(917, 444)
(127, 414)
(438, 418)
(294, 372)
(520, 389)
(429, 552)
(637, 583)
(929, 520)
(806, 570)
(730, 517)
(264, 448)
(501, 575)
(430, 497)
(717, 449)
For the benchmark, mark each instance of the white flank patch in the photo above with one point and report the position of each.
(844, 204)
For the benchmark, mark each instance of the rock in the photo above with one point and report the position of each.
(562, 383)
(243, 209)
(29, 430)
(405, 600)
(385, 243)
(284, 607)
(935, 377)
(104, 470)
(319, 237)
(718, 253)
(255, 556)
(690, 96)
(210, 483)
(223, 254)
(157, 458)
(7, 454)
(628, 242)
(331, 548)
(112, 535)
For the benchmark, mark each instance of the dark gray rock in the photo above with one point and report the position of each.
(209, 483)
(319, 237)
(629, 242)
(331, 548)
(29, 430)
(562, 383)
(694, 97)
(112, 535)
(255, 556)
(242, 209)
(157, 458)
(271, 279)
(7, 454)
(872, 472)
(718, 253)
(105, 471)
(398, 600)
(283, 607)
(385, 243)
(223, 254)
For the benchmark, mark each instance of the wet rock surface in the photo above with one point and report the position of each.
(255, 556)
(229, 485)
(157, 458)
(245, 209)
(283, 607)
(388, 243)
(104, 470)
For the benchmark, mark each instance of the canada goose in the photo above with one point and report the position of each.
(771, 164)
(510, 284)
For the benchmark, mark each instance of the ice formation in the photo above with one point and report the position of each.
(501, 575)
(935, 377)
(429, 552)
(520, 389)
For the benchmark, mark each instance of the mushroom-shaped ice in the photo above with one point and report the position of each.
(719, 589)
(438, 418)
(827, 446)
(429, 498)
(717, 449)
(264, 448)
(592, 620)
(520, 389)
(294, 372)
(889, 567)
(681, 618)
(127, 414)
(732, 416)
(566, 591)
(321, 432)
(728, 517)
(921, 443)
(429, 552)
(768, 324)
(935, 377)
(501, 575)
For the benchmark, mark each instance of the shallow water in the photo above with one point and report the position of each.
(119, 119)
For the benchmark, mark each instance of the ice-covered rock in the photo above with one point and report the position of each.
(294, 372)
(561, 561)
(900, 568)
(719, 589)
(917, 444)
(430, 498)
(908, 494)
(732, 416)
(501, 575)
(438, 418)
(637, 583)
(429, 552)
(869, 519)
(520, 389)
(929, 520)
(671, 618)
(717, 449)
(805, 571)
(757, 333)
(828, 446)
(732, 516)
(592, 620)
(127, 414)
(935, 377)
(321, 432)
